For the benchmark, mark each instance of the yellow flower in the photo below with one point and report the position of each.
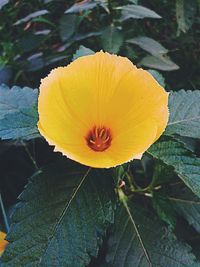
(101, 110)
(3, 242)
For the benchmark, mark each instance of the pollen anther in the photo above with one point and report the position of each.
(99, 138)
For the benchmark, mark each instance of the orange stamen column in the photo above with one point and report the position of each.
(99, 138)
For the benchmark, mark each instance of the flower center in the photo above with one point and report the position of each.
(99, 138)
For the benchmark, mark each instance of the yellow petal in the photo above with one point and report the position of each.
(106, 93)
(3, 242)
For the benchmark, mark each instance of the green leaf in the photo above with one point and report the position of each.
(111, 39)
(3, 3)
(184, 111)
(162, 174)
(82, 36)
(31, 16)
(158, 76)
(68, 25)
(160, 63)
(87, 5)
(149, 45)
(134, 1)
(184, 163)
(18, 113)
(30, 41)
(195, 264)
(185, 13)
(189, 143)
(140, 240)
(61, 218)
(82, 51)
(188, 206)
(164, 208)
(80, 7)
(137, 12)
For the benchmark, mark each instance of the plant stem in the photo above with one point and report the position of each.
(30, 156)
(151, 185)
(4, 214)
(131, 182)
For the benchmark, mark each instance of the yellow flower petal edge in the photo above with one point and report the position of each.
(3, 243)
(101, 110)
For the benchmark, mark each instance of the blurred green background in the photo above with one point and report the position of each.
(39, 35)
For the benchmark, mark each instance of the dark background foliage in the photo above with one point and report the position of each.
(30, 48)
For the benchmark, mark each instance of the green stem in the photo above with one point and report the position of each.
(147, 189)
(30, 156)
(132, 184)
(110, 9)
(151, 185)
(4, 214)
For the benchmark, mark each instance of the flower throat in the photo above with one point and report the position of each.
(99, 138)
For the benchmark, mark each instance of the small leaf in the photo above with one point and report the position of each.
(184, 163)
(31, 16)
(185, 12)
(140, 240)
(35, 62)
(149, 45)
(82, 36)
(82, 51)
(87, 5)
(61, 218)
(3, 3)
(184, 111)
(137, 12)
(134, 1)
(18, 113)
(160, 63)
(111, 39)
(54, 58)
(82, 6)
(68, 25)
(42, 32)
(158, 76)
